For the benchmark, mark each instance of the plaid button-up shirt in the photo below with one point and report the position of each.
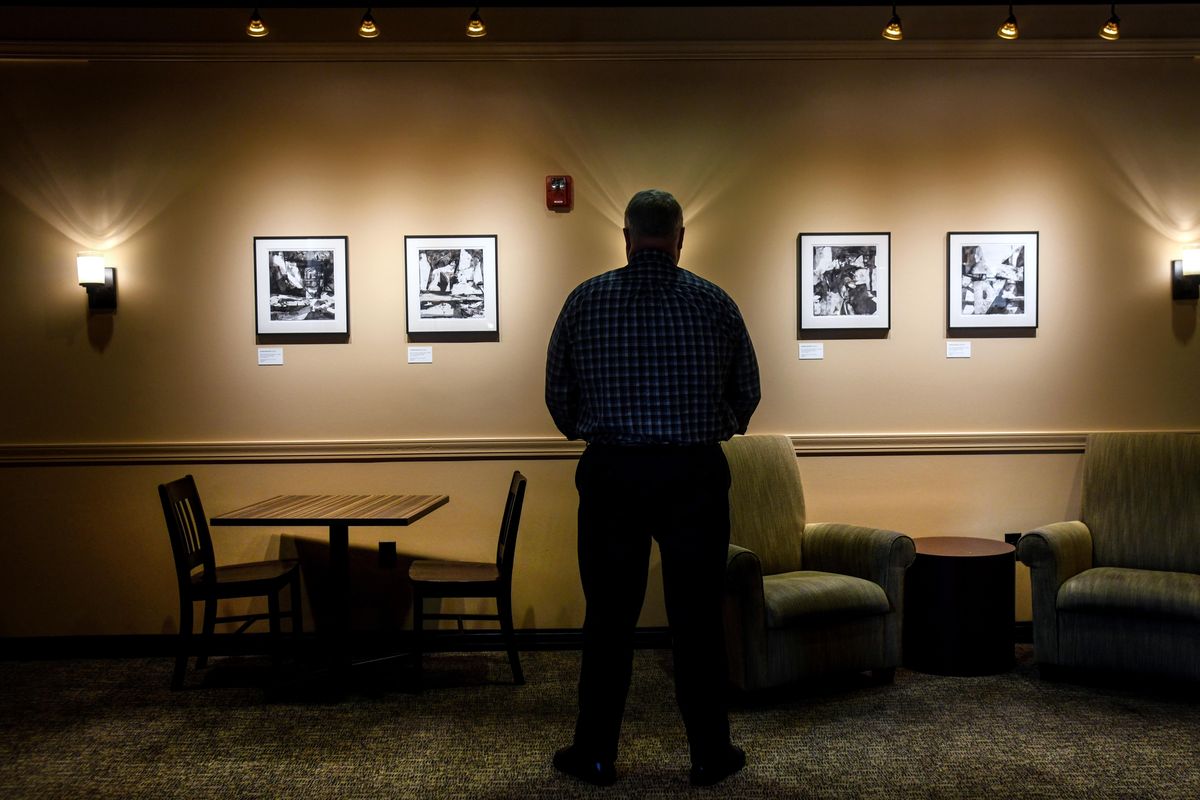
(650, 354)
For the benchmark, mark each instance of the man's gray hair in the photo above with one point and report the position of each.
(653, 213)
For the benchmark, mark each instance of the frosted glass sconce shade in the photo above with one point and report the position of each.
(99, 280)
(1191, 259)
(90, 268)
(1185, 274)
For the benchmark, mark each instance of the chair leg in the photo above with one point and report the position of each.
(883, 677)
(183, 645)
(273, 622)
(418, 643)
(210, 622)
(510, 638)
(297, 623)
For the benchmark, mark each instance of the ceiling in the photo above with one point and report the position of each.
(629, 22)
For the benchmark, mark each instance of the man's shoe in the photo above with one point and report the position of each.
(597, 771)
(712, 771)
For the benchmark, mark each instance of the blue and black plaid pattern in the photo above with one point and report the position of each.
(650, 354)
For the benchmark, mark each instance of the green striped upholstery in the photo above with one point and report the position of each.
(1119, 588)
(840, 612)
(1141, 500)
(796, 597)
(766, 500)
(1171, 595)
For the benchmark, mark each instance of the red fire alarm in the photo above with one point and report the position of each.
(560, 193)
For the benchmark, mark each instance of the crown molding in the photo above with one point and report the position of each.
(986, 49)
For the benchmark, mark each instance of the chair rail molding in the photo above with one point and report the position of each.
(514, 448)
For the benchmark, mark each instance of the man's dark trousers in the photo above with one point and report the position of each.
(679, 496)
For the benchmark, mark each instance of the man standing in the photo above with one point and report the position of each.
(653, 367)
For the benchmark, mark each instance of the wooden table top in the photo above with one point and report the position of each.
(329, 509)
(961, 546)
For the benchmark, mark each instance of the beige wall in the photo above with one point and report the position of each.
(174, 167)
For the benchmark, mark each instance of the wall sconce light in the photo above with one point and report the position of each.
(1009, 29)
(367, 29)
(475, 27)
(893, 32)
(99, 280)
(1112, 28)
(1185, 274)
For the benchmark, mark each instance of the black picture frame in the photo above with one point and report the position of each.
(843, 285)
(992, 281)
(450, 288)
(301, 287)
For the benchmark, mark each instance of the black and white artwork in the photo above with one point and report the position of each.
(300, 285)
(844, 281)
(992, 280)
(451, 287)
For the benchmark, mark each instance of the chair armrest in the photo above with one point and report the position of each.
(1057, 551)
(1053, 553)
(873, 554)
(744, 582)
(745, 618)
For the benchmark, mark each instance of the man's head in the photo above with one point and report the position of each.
(654, 221)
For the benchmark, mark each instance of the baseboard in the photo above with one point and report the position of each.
(34, 648)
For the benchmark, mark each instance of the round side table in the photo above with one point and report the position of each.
(958, 606)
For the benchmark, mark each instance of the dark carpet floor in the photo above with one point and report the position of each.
(112, 729)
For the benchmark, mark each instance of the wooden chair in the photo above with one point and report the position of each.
(193, 550)
(473, 580)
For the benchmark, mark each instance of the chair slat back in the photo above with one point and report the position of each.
(187, 526)
(507, 546)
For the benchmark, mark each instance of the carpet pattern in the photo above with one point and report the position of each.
(112, 729)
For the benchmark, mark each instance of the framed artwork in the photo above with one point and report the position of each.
(300, 285)
(992, 279)
(844, 282)
(450, 284)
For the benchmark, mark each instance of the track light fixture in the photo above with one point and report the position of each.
(893, 31)
(1112, 29)
(255, 26)
(1009, 29)
(367, 29)
(475, 27)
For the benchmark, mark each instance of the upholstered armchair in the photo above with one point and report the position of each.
(803, 598)
(1119, 588)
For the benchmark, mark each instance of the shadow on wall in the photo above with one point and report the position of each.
(99, 330)
(1183, 320)
(380, 596)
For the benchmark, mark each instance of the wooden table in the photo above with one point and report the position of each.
(337, 512)
(958, 606)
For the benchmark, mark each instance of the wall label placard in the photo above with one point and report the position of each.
(958, 349)
(420, 355)
(270, 356)
(812, 351)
